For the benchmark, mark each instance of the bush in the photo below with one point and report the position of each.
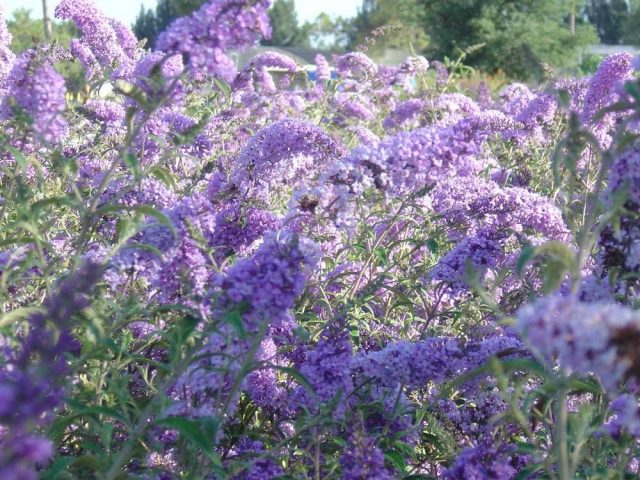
(396, 273)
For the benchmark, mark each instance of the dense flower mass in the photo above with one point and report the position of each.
(206, 36)
(585, 338)
(35, 88)
(7, 57)
(350, 270)
(29, 390)
(109, 43)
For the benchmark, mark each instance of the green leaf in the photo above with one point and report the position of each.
(58, 466)
(124, 229)
(132, 91)
(632, 89)
(142, 209)
(234, 318)
(53, 201)
(16, 241)
(81, 410)
(164, 176)
(381, 253)
(560, 259)
(132, 163)
(223, 86)
(527, 254)
(192, 430)
(301, 379)
(13, 316)
(559, 251)
(586, 385)
(397, 460)
(564, 97)
(524, 364)
(433, 246)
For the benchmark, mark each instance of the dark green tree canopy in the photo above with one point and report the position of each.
(631, 25)
(609, 17)
(520, 37)
(285, 30)
(382, 24)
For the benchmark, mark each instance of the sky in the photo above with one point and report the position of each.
(127, 10)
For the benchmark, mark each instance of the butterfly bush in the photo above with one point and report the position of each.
(211, 270)
(32, 390)
(207, 35)
(103, 41)
(7, 57)
(34, 88)
(587, 338)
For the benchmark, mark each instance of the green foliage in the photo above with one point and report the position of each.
(28, 32)
(609, 18)
(630, 30)
(521, 37)
(383, 24)
(329, 33)
(285, 30)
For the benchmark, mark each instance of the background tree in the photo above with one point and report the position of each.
(521, 37)
(285, 30)
(630, 29)
(28, 32)
(609, 18)
(383, 24)
(46, 20)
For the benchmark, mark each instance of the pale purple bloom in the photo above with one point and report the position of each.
(87, 59)
(32, 378)
(414, 64)
(126, 38)
(34, 87)
(454, 107)
(442, 74)
(273, 60)
(626, 416)
(484, 461)
(259, 461)
(404, 112)
(284, 153)
(271, 280)
(356, 64)
(98, 34)
(323, 73)
(362, 460)
(237, 227)
(613, 70)
(584, 338)
(483, 96)
(206, 36)
(515, 97)
(353, 106)
(326, 367)
(7, 57)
